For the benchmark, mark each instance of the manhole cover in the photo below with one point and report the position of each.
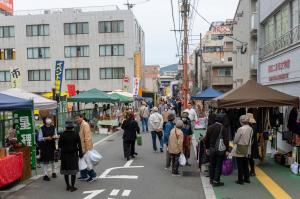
(190, 174)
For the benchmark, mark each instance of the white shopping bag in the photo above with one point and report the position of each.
(82, 164)
(182, 160)
(93, 157)
(88, 161)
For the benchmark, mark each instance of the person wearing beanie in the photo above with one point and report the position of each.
(70, 145)
(155, 127)
(175, 146)
(215, 158)
(167, 130)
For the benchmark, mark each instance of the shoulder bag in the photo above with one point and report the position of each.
(220, 147)
(242, 149)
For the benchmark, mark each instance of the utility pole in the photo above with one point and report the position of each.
(201, 61)
(185, 13)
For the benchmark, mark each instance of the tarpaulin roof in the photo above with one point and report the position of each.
(207, 94)
(40, 102)
(93, 95)
(10, 103)
(122, 98)
(253, 94)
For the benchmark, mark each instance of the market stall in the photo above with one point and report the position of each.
(266, 101)
(97, 96)
(13, 165)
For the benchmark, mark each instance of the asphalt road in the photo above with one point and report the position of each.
(144, 178)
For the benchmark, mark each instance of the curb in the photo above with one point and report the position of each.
(208, 189)
(4, 194)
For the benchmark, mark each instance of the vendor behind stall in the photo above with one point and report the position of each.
(11, 138)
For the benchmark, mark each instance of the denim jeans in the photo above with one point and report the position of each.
(88, 173)
(144, 121)
(160, 138)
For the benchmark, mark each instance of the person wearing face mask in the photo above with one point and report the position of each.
(47, 137)
(187, 132)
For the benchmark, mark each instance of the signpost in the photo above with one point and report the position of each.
(25, 132)
(15, 74)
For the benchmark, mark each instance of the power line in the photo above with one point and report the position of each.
(176, 40)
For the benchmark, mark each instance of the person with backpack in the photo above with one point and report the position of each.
(167, 130)
(144, 116)
(217, 147)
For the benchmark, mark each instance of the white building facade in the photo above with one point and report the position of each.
(98, 48)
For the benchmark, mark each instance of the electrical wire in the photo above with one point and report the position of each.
(174, 25)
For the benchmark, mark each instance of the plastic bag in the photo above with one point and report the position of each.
(182, 160)
(227, 167)
(139, 140)
(94, 157)
(295, 168)
(82, 164)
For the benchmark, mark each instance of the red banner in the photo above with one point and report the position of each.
(7, 6)
(71, 90)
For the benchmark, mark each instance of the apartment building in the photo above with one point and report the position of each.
(279, 39)
(245, 51)
(217, 61)
(98, 45)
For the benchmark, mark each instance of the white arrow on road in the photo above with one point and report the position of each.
(93, 193)
(126, 166)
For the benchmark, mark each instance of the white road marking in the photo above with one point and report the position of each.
(114, 192)
(106, 138)
(126, 166)
(93, 193)
(126, 193)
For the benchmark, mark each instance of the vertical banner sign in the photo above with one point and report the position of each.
(15, 76)
(136, 85)
(71, 90)
(125, 82)
(25, 132)
(137, 65)
(59, 69)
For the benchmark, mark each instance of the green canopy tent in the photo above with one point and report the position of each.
(93, 96)
(122, 98)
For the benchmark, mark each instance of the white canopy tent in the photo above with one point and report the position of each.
(40, 103)
(121, 92)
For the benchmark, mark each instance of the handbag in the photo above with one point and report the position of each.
(243, 149)
(82, 164)
(139, 140)
(182, 160)
(220, 147)
(227, 167)
(93, 157)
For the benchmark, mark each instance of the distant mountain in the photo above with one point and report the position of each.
(173, 67)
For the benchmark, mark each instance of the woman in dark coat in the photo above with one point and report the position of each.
(254, 146)
(131, 128)
(70, 146)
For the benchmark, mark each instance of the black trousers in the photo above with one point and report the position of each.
(175, 162)
(129, 148)
(215, 166)
(243, 169)
(251, 163)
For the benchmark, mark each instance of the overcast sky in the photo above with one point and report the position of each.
(155, 18)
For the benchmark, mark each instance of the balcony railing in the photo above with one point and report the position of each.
(222, 80)
(286, 40)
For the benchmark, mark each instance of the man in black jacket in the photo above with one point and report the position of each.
(215, 158)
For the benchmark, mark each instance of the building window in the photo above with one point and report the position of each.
(76, 51)
(38, 53)
(37, 30)
(111, 26)
(7, 54)
(4, 76)
(39, 75)
(7, 31)
(112, 73)
(230, 59)
(76, 28)
(225, 72)
(78, 74)
(111, 50)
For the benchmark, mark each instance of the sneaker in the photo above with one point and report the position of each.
(154, 151)
(54, 175)
(72, 189)
(217, 184)
(161, 150)
(83, 178)
(46, 178)
(252, 174)
(240, 183)
(91, 180)
(175, 174)
(167, 168)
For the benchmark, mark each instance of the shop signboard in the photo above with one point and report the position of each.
(281, 69)
(136, 85)
(15, 76)
(7, 6)
(25, 132)
(59, 69)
